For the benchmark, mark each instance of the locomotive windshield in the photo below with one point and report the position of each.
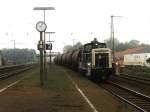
(87, 48)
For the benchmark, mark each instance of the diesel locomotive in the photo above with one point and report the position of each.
(93, 59)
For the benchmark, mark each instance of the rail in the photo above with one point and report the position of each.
(135, 78)
(9, 71)
(134, 98)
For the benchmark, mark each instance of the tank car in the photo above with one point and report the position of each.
(93, 59)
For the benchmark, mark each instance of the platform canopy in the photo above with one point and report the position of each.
(44, 8)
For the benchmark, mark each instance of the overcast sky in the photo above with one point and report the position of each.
(73, 19)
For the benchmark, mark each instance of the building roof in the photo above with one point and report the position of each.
(120, 55)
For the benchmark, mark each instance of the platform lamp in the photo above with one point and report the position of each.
(44, 9)
(41, 27)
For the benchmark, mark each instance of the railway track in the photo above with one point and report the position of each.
(141, 87)
(9, 71)
(134, 98)
(135, 78)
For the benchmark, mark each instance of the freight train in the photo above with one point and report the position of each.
(93, 59)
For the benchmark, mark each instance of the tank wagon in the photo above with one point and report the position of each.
(93, 59)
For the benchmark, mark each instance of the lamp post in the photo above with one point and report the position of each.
(112, 35)
(50, 44)
(41, 27)
(44, 9)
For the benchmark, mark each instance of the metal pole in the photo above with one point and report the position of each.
(49, 51)
(41, 61)
(112, 37)
(45, 67)
(50, 58)
(14, 44)
(51, 44)
(73, 41)
(44, 16)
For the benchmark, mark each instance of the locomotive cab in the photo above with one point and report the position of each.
(101, 58)
(101, 63)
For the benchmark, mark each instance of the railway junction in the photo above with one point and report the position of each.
(64, 91)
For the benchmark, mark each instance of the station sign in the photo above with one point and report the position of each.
(49, 46)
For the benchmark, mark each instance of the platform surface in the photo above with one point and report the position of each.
(63, 91)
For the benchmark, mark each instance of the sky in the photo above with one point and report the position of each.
(78, 20)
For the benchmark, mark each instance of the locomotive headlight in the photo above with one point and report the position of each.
(117, 63)
(89, 64)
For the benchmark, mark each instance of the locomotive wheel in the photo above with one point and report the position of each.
(104, 77)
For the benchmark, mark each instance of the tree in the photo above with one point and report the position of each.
(120, 46)
(68, 48)
(134, 43)
(77, 46)
(109, 43)
(19, 56)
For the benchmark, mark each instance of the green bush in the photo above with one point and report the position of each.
(136, 70)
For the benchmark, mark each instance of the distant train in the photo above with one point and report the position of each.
(140, 59)
(93, 59)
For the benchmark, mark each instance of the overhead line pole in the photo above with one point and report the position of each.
(14, 43)
(73, 41)
(112, 36)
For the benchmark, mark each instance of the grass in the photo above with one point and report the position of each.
(137, 71)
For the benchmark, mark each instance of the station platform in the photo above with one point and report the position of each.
(63, 91)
